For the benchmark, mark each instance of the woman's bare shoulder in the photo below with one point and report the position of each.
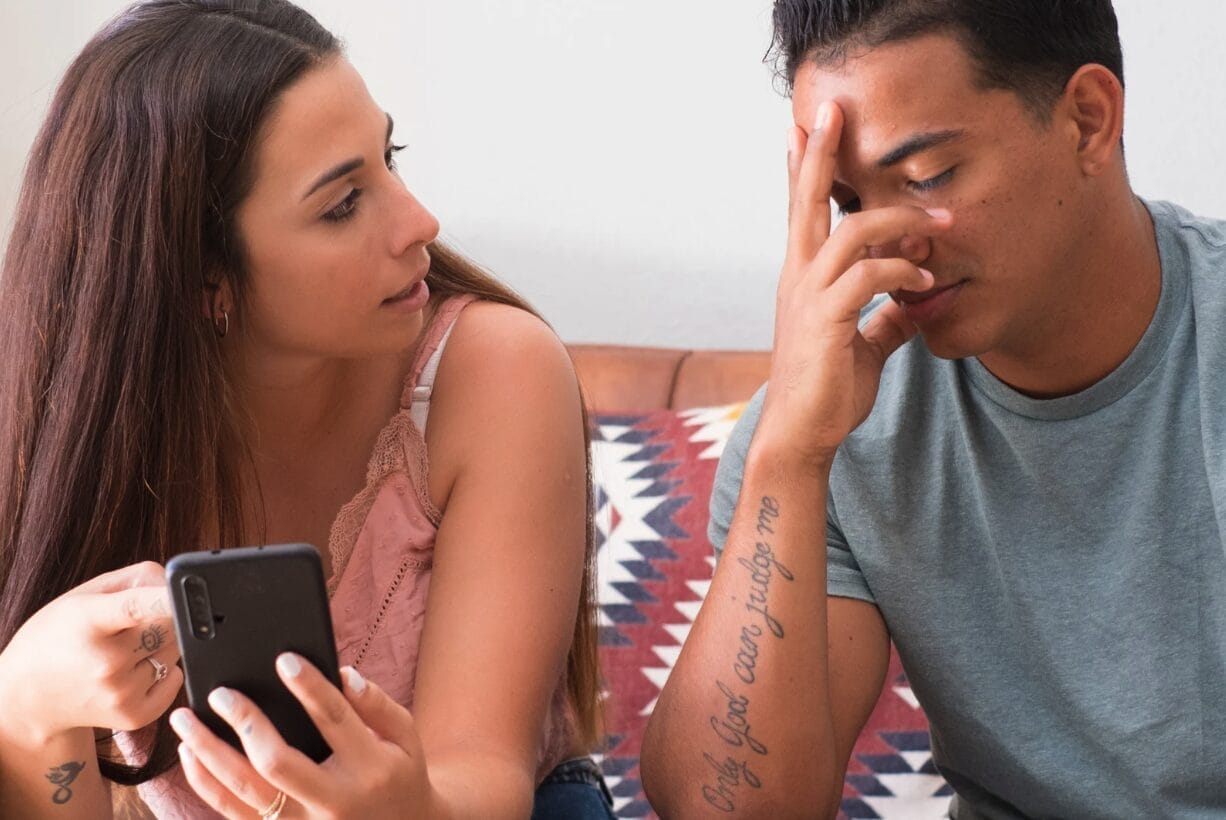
(495, 344)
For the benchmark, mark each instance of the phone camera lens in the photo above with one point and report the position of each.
(199, 608)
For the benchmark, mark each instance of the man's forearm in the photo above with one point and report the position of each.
(743, 725)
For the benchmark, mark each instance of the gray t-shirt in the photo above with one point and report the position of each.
(1053, 573)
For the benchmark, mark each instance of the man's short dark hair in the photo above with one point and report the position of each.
(1030, 47)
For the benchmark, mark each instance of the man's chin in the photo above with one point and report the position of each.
(949, 341)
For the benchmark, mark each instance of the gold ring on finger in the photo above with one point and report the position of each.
(273, 810)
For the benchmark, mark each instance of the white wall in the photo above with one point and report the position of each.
(620, 162)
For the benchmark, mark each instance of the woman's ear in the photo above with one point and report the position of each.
(217, 304)
(1093, 108)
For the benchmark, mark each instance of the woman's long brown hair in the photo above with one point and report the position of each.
(119, 437)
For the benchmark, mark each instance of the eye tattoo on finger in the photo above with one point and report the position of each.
(152, 639)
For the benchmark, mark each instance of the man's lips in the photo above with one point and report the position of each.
(913, 297)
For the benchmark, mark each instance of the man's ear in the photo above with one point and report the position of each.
(1093, 109)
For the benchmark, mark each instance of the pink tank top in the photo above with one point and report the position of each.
(382, 548)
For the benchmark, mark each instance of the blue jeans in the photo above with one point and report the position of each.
(575, 790)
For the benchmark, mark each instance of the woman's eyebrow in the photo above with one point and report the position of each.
(346, 167)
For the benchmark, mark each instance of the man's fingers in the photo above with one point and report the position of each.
(386, 717)
(809, 223)
(867, 278)
(888, 329)
(796, 139)
(860, 233)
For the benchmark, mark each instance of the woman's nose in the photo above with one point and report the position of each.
(412, 224)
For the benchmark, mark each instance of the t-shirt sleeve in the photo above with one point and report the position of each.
(731, 471)
(843, 576)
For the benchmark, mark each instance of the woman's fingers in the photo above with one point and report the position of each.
(144, 574)
(161, 670)
(332, 713)
(386, 717)
(228, 767)
(210, 789)
(131, 608)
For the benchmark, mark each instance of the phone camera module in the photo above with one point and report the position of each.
(199, 608)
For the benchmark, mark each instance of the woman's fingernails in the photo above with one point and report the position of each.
(928, 277)
(355, 680)
(793, 143)
(289, 664)
(185, 754)
(938, 213)
(180, 722)
(221, 699)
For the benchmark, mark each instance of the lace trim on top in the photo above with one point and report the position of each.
(400, 446)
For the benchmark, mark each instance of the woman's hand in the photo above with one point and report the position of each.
(376, 768)
(102, 654)
(825, 370)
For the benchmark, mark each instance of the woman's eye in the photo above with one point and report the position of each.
(390, 157)
(346, 209)
(932, 183)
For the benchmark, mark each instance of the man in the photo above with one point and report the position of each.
(1016, 465)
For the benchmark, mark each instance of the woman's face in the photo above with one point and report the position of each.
(335, 244)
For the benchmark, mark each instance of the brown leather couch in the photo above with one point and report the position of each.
(636, 379)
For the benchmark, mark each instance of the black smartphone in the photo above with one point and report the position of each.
(235, 610)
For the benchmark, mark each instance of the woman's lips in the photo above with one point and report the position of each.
(411, 299)
(922, 307)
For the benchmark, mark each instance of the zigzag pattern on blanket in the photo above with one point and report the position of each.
(653, 475)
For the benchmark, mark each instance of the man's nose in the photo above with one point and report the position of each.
(912, 248)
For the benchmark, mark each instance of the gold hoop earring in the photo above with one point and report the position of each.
(222, 325)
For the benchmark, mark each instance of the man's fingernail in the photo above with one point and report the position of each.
(355, 680)
(289, 664)
(793, 147)
(928, 275)
(823, 116)
(221, 699)
(938, 213)
(185, 753)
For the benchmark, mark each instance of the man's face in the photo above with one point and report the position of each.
(918, 131)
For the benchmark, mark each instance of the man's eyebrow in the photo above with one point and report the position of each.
(918, 143)
(347, 167)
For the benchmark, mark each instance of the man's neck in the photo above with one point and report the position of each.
(1107, 308)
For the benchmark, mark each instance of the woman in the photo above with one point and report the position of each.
(227, 322)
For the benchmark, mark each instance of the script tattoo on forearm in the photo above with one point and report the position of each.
(151, 639)
(62, 777)
(733, 728)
